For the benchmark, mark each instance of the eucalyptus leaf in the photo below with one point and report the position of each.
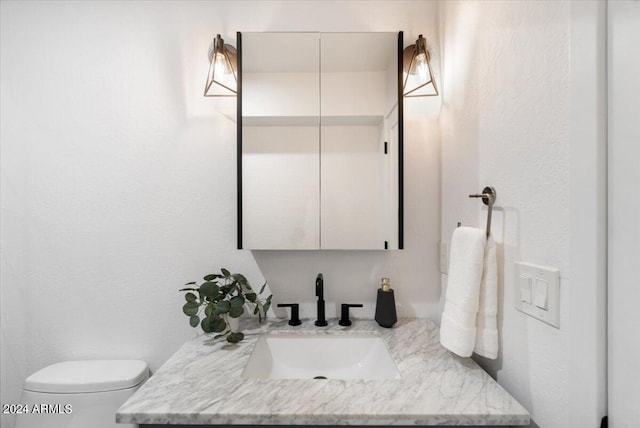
(267, 305)
(236, 311)
(190, 297)
(209, 289)
(218, 325)
(225, 272)
(262, 288)
(194, 321)
(252, 297)
(236, 301)
(188, 289)
(256, 310)
(222, 307)
(208, 310)
(211, 277)
(235, 337)
(190, 283)
(190, 308)
(240, 278)
(206, 325)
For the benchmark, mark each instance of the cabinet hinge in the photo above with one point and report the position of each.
(385, 148)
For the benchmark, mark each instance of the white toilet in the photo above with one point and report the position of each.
(80, 394)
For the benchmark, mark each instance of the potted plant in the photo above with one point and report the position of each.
(220, 300)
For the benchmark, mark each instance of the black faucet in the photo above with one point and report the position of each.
(321, 321)
(295, 312)
(344, 319)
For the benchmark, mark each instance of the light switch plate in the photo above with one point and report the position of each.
(540, 277)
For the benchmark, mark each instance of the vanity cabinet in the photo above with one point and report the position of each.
(320, 141)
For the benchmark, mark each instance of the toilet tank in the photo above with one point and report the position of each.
(80, 394)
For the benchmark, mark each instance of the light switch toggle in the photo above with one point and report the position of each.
(541, 294)
(525, 288)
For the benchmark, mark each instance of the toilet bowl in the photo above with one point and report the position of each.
(80, 394)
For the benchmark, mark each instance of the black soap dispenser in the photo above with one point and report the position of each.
(386, 305)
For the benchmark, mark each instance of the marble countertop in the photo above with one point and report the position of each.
(202, 384)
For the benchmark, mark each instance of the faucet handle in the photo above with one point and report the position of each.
(295, 312)
(344, 319)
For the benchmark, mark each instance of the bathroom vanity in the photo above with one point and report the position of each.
(209, 383)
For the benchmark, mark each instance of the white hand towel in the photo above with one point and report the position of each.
(487, 321)
(466, 264)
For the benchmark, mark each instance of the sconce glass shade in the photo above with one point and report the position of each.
(222, 79)
(418, 75)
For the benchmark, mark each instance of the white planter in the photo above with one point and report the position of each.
(233, 323)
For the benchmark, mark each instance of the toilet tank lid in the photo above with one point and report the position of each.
(87, 376)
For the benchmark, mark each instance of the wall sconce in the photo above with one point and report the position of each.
(222, 79)
(418, 81)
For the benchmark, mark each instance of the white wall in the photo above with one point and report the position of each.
(118, 177)
(588, 225)
(507, 120)
(624, 211)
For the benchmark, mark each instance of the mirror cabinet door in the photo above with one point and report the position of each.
(321, 141)
(280, 141)
(358, 93)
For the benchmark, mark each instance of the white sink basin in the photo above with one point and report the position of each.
(308, 356)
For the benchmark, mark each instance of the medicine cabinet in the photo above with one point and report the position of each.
(320, 156)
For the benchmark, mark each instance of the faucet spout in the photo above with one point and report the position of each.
(320, 286)
(321, 321)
